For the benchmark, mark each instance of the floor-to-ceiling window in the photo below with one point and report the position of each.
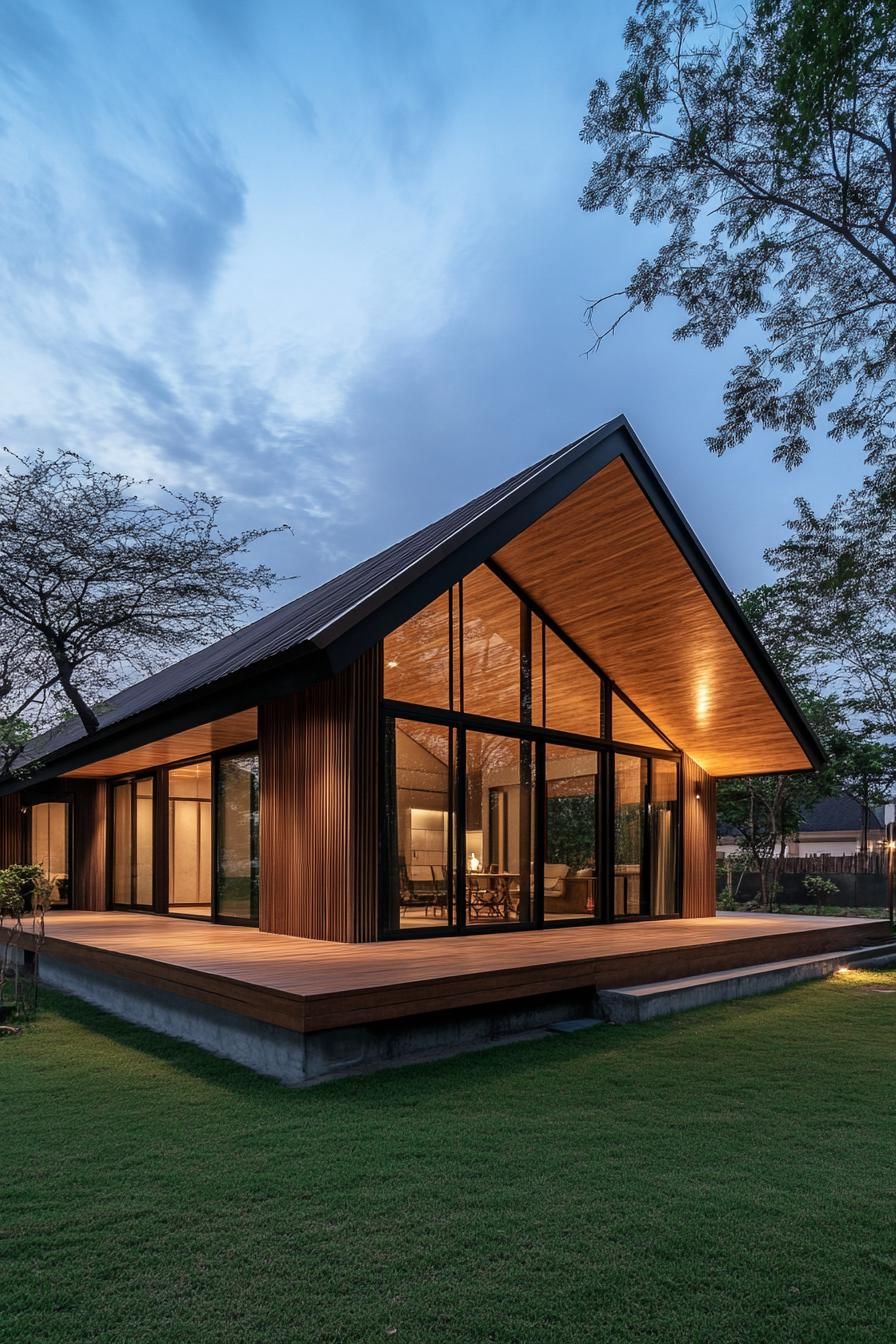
(201, 819)
(132, 842)
(506, 801)
(572, 827)
(499, 830)
(190, 839)
(236, 836)
(421, 825)
(50, 847)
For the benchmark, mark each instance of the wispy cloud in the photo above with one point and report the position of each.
(325, 260)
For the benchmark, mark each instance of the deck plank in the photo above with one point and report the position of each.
(312, 985)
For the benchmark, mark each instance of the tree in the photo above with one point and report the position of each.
(99, 584)
(768, 147)
(764, 810)
(836, 593)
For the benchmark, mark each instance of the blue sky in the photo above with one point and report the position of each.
(327, 261)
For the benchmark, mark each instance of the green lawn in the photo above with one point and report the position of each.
(725, 1176)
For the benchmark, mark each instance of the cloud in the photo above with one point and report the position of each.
(179, 230)
(31, 48)
(303, 110)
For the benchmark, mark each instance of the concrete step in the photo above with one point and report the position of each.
(642, 1003)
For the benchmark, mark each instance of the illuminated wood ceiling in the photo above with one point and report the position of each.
(228, 732)
(604, 566)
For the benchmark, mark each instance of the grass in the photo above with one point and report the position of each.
(724, 1176)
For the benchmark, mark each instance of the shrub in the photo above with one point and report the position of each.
(819, 890)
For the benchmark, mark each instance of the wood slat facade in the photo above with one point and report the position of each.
(88, 842)
(698, 811)
(11, 847)
(318, 764)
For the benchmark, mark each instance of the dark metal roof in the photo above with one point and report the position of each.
(843, 813)
(289, 627)
(320, 632)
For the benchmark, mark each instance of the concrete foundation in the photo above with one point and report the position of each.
(295, 1057)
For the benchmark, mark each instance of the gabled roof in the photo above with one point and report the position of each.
(320, 632)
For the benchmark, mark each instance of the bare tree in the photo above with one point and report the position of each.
(102, 581)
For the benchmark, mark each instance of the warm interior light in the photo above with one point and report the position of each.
(697, 793)
(701, 701)
(392, 662)
(475, 864)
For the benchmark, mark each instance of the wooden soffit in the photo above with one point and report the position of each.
(231, 731)
(604, 566)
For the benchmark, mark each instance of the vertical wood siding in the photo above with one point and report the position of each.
(318, 765)
(10, 829)
(88, 822)
(699, 849)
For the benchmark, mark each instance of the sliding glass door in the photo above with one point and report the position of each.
(236, 836)
(132, 842)
(190, 839)
(646, 826)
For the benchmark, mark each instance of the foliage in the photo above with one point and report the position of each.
(570, 830)
(24, 890)
(763, 810)
(768, 147)
(17, 884)
(836, 596)
(100, 583)
(819, 890)
(192, 1201)
(727, 867)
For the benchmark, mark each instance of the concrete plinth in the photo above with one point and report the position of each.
(295, 1057)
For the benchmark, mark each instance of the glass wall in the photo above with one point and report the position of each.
(534, 817)
(190, 839)
(664, 832)
(132, 842)
(420, 824)
(492, 619)
(499, 834)
(236, 820)
(630, 811)
(571, 832)
(50, 848)
(573, 691)
(416, 658)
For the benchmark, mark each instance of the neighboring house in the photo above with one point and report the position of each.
(833, 826)
(512, 720)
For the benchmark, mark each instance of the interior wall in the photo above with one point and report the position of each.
(699, 837)
(318, 840)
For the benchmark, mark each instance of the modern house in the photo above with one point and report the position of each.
(482, 762)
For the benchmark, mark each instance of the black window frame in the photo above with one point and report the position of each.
(159, 775)
(606, 747)
(119, 782)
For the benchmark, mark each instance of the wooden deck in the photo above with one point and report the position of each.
(309, 985)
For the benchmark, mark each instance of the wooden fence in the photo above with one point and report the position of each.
(875, 862)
